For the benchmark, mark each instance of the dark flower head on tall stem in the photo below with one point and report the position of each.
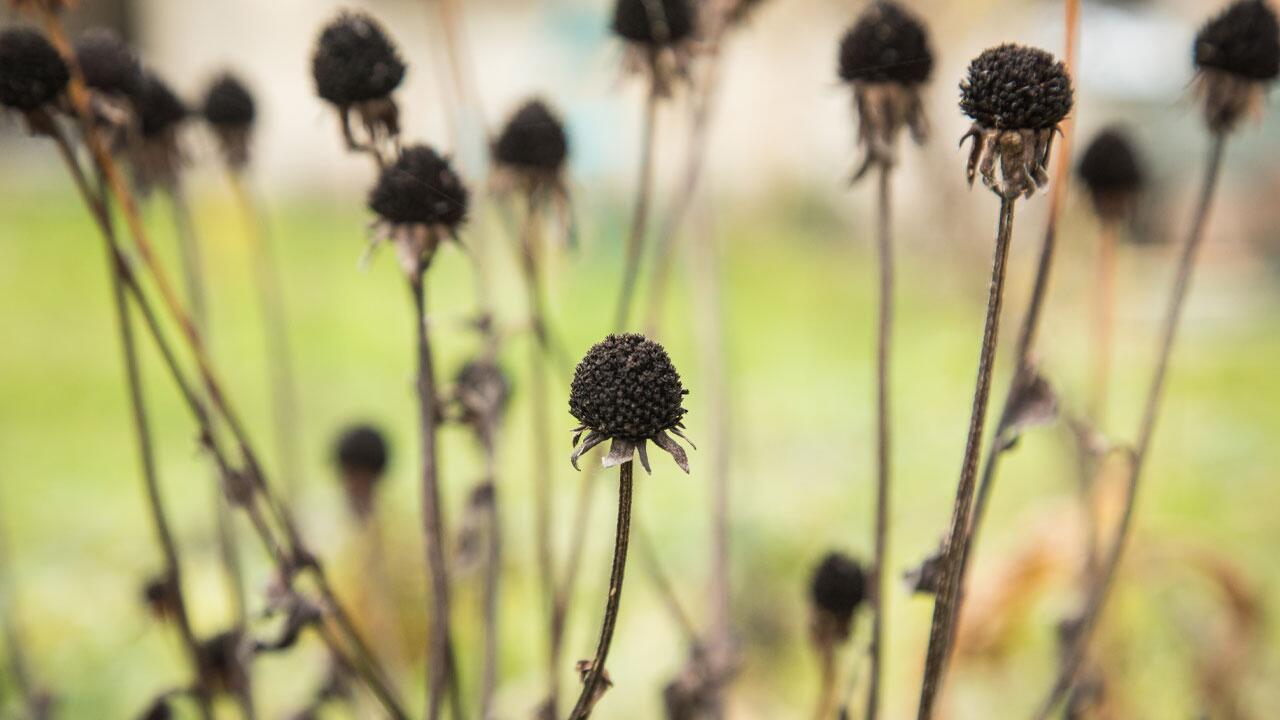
(229, 110)
(356, 67)
(157, 157)
(361, 454)
(113, 75)
(626, 390)
(659, 35)
(886, 57)
(532, 147)
(481, 391)
(1237, 55)
(1016, 96)
(419, 200)
(1112, 171)
(838, 586)
(32, 73)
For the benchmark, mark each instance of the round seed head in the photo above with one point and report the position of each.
(32, 73)
(1111, 169)
(420, 187)
(1242, 40)
(653, 22)
(108, 64)
(886, 44)
(355, 61)
(533, 139)
(361, 449)
(483, 391)
(228, 103)
(158, 108)
(626, 387)
(838, 586)
(1012, 87)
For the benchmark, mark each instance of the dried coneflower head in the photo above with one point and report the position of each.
(356, 67)
(481, 391)
(626, 390)
(361, 454)
(886, 57)
(532, 146)
(837, 588)
(229, 109)
(659, 36)
(1237, 53)
(1016, 96)
(1112, 171)
(32, 73)
(157, 157)
(419, 200)
(109, 65)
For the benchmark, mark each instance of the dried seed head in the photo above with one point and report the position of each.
(362, 449)
(655, 23)
(355, 61)
(837, 588)
(228, 104)
(32, 74)
(1112, 171)
(1012, 87)
(109, 65)
(482, 391)
(159, 109)
(887, 44)
(420, 187)
(533, 140)
(222, 661)
(1242, 40)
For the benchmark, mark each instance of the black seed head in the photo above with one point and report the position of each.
(158, 108)
(670, 22)
(483, 391)
(361, 449)
(355, 61)
(228, 103)
(1243, 40)
(32, 73)
(1110, 167)
(533, 139)
(1012, 87)
(626, 387)
(108, 64)
(886, 44)
(838, 586)
(420, 187)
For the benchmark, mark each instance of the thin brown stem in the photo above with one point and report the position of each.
(492, 580)
(948, 600)
(1083, 627)
(1103, 322)
(592, 684)
(884, 333)
(827, 693)
(640, 213)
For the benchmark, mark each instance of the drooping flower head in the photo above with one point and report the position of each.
(356, 67)
(886, 57)
(229, 109)
(156, 154)
(361, 454)
(626, 390)
(1112, 171)
(109, 65)
(838, 586)
(1016, 96)
(419, 200)
(32, 73)
(481, 391)
(658, 34)
(1237, 54)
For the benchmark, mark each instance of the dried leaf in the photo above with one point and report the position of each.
(1032, 403)
(926, 578)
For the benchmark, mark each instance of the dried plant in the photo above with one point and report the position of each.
(837, 589)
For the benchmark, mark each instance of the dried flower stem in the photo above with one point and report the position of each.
(953, 552)
(640, 212)
(492, 580)
(1103, 321)
(592, 684)
(1084, 626)
(827, 685)
(884, 334)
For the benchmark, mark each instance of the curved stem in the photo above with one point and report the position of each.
(883, 336)
(640, 213)
(948, 602)
(592, 685)
(1087, 622)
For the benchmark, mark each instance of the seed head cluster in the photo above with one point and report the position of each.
(1110, 167)
(1012, 87)
(838, 586)
(420, 187)
(159, 109)
(653, 22)
(228, 103)
(887, 44)
(32, 74)
(1243, 40)
(534, 139)
(355, 61)
(361, 449)
(626, 387)
(108, 64)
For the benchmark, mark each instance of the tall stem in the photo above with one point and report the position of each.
(944, 609)
(591, 685)
(827, 684)
(1103, 321)
(492, 580)
(1087, 622)
(640, 213)
(884, 335)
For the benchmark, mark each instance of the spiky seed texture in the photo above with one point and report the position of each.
(420, 187)
(887, 44)
(533, 139)
(838, 586)
(362, 449)
(1112, 170)
(626, 387)
(355, 61)
(109, 65)
(32, 74)
(655, 23)
(158, 107)
(1243, 40)
(228, 103)
(1014, 87)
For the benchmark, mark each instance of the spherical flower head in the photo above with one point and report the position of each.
(533, 140)
(32, 73)
(159, 109)
(229, 104)
(837, 588)
(887, 44)
(1112, 171)
(355, 61)
(361, 449)
(420, 187)
(108, 64)
(653, 22)
(1242, 40)
(1012, 87)
(482, 391)
(626, 390)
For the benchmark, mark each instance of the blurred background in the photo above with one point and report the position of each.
(791, 246)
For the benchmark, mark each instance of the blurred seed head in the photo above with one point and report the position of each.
(1112, 171)
(229, 109)
(223, 662)
(837, 588)
(1237, 54)
(419, 200)
(109, 65)
(356, 67)
(655, 23)
(155, 152)
(481, 391)
(533, 140)
(32, 73)
(361, 453)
